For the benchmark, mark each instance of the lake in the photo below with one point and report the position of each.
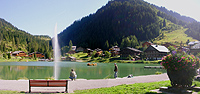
(42, 70)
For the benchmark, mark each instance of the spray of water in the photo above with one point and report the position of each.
(56, 50)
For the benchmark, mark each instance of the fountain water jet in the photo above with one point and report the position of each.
(56, 50)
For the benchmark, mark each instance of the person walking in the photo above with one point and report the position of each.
(73, 75)
(115, 70)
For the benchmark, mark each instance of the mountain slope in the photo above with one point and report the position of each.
(119, 20)
(13, 39)
(173, 33)
(187, 22)
(113, 22)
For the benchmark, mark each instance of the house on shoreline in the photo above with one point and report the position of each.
(19, 53)
(38, 54)
(156, 52)
(115, 50)
(128, 51)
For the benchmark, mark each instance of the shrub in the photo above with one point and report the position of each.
(5, 56)
(9, 56)
(158, 72)
(180, 61)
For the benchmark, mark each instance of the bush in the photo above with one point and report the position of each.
(9, 56)
(158, 72)
(108, 54)
(5, 56)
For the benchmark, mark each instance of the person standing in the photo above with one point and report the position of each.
(115, 70)
(73, 75)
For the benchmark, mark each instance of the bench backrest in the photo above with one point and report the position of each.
(48, 83)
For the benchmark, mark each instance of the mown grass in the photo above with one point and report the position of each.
(137, 88)
(9, 92)
(80, 55)
(174, 34)
(16, 60)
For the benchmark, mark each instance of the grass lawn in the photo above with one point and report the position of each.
(18, 59)
(9, 92)
(137, 88)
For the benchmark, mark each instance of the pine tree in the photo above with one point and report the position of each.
(187, 41)
(115, 43)
(106, 44)
(70, 45)
(13, 43)
(164, 23)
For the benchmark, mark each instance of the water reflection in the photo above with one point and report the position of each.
(42, 70)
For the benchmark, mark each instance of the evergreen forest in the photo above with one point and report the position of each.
(12, 39)
(119, 21)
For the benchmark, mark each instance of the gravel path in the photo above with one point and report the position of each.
(80, 84)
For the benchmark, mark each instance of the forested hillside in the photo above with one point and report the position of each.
(13, 39)
(114, 23)
(119, 21)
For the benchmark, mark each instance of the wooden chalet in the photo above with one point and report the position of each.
(125, 52)
(71, 52)
(115, 50)
(99, 51)
(63, 58)
(73, 48)
(193, 43)
(38, 54)
(70, 58)
(147, 44)
(79, 49)
(19, 53)
(89, 51)
(156, 52)
(195, 49)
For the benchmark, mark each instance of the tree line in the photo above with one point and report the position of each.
(13, 39)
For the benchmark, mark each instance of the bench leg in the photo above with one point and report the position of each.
(29, 89)
(66, 87)
(66, 90)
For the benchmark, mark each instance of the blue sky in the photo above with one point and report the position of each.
(38, 17)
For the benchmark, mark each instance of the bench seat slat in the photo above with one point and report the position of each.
(48, 83)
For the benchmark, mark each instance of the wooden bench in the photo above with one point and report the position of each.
(48, 83)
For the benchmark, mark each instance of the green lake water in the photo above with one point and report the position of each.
(42, 70)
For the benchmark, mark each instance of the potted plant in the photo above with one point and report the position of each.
(181, 68)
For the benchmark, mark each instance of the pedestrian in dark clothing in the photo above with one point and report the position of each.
(115, 70)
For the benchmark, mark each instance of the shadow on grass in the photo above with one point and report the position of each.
(115, 58)
(153, 93)
(84, 57)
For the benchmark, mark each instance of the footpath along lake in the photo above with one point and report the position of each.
(42, 70)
